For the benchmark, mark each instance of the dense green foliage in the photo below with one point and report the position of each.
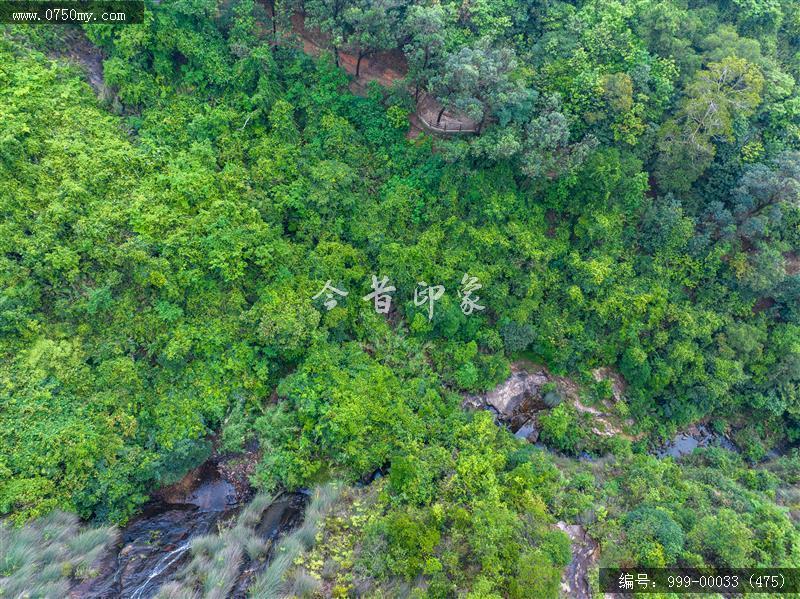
(632, 201)
(712, 509)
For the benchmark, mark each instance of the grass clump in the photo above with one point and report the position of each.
(277, 580)
(46, 556)
(218, 560)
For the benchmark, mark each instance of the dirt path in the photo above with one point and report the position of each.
(384, 67)
(428, 112)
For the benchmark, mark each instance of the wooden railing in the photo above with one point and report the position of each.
(444, 128)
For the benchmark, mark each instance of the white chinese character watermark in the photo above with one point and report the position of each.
(625, 581)
(429, 294)
(330, 301)
(380, 295)
(423, 294)
(469, 303)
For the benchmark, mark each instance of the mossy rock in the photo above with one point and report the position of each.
(552, 399)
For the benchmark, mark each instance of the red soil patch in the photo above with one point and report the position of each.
(384, 67)
(387, 68)
(792, 263)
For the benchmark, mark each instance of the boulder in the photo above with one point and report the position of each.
(509, 397)
(528, 431)
(517, 399)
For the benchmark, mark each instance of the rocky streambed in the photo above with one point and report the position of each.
(695, 436)
(585, 552)
(518, 403)
(153, 548)
(531, 390)
(520, 400)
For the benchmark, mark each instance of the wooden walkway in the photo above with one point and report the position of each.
(450, 124)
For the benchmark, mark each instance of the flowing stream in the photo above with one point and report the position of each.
(697, 436)
(154, 546)
(163, 564)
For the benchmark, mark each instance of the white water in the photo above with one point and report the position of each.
(164, 563)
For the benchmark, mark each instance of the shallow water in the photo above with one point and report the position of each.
(156, 544)
(685, 443)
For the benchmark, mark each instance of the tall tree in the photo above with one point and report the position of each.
(329, 17)
(280, 13)
(724, 91)
(547, 149)
(424, 27)
(756, 217)
(372, 27)
(477, 80)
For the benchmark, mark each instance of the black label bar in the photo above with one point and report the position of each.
(699, 580)
(75, 12)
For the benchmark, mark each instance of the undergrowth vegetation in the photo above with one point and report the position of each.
(632, 201)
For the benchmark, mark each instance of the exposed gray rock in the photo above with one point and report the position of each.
(509, 396)
(585, 552)
(618, 384)
(695, 436)
(517, 399)
(528, 431)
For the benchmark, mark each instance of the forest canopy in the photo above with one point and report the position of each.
(629, 199)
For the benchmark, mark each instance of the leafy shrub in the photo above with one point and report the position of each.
(560, 430)
(398, 117)
(656, 538)
(517, 337)
(552, 399)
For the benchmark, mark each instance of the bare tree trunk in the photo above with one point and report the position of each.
(439, 118)
(336, 55)
(358, 64)
(424, 70)
(271, 4)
